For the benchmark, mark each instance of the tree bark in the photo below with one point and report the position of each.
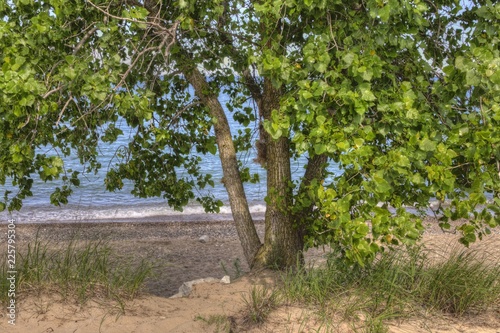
(282, 241)
(232, 180)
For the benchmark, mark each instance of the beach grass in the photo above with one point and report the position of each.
(403, 283)
(75, 270)
(219, 323)
(259, 302)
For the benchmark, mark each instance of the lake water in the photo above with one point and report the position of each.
(90, 202)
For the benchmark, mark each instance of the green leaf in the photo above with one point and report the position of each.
(366, 93)
(359, 142)
(320, 119)
(306, 94)
(319, 148)
(495, 77)
(17, 158)
(385, 12)
(348, 58)
(70, 73)
(381, 185)
(427, 145)
(212, 148)
(277, 134)
(18, 63)
(361, 231)
(367, 75)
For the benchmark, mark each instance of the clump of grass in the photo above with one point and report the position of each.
(465, 282)
(222, 323)
(236, 271)
(396, 285)
(394, 281)
(259, 303)
(4, 283)
(375, 325)
(318, 285)
(78, 270)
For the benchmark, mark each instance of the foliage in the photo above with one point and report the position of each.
(402, 94)
(385, 93)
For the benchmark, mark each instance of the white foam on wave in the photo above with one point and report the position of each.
(151, 212)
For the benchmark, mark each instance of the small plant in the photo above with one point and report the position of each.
(222, 323)
(236, 269)
(375, 326)
(259, 303)
(224, 268)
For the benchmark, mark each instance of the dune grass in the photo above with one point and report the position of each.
(259, 302)
(219, 323)
(76, 270)
(400, 283)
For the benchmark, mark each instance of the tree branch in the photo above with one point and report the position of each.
(84, 39)
(70, 98)
(48, 93)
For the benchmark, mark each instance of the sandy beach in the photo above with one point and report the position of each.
(179, 256)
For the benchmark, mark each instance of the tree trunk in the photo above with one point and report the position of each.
(232, 180)
(282, 242)
(315, 170)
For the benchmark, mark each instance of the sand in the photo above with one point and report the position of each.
(179, 256)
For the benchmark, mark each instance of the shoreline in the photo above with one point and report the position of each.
(430, 223)
(146, 222)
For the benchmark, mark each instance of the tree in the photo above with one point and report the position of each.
(402, 94)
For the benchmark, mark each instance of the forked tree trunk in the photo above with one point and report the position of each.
(282, 242)
(232, 180)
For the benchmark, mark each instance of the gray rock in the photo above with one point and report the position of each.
(187, 287)
(203, 239)
(226, 279)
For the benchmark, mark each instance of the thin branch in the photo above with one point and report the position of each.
(84, 39)
(252, 85)
(64, 109)
(329, 19)
(26, 122)
(179, 112)
(459, 166)
(132, 65)
(48, 93)
(169, 33)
